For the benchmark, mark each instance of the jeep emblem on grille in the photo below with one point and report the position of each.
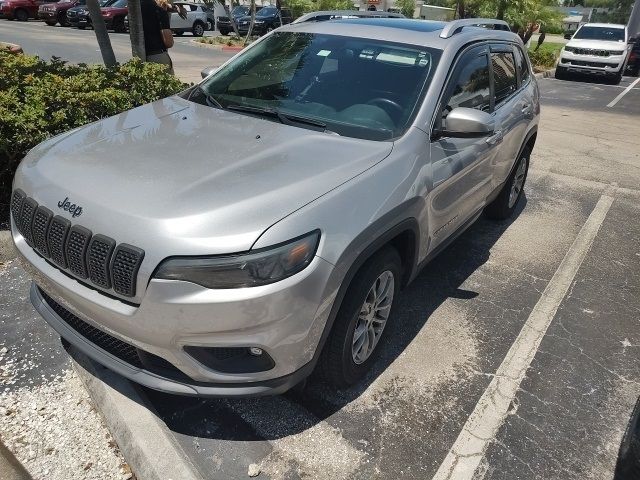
(72, 208)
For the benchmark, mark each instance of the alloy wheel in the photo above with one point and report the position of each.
(372, 317)
(518, 182)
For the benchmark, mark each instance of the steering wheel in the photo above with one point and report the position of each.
(387, 104)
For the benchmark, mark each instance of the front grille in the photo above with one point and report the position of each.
(74, 248)
(120, 349)
(594, 52)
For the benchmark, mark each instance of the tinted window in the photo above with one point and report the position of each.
(600, 33)
(267, 12)
(472, 88)
(504, 75)
(358, 87)
(523, 66)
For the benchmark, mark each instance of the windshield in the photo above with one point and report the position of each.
(237, 11)
(600, 33)
(356, 87)
(267, 12)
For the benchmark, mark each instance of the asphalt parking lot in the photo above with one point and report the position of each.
(575, 241)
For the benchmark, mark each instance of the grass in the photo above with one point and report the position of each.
(547, 47)
(228, 40)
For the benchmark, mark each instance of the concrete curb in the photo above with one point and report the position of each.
(546, 74)
(223, 48)
(142, 438)
(10, 467)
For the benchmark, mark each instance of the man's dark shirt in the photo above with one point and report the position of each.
(154, 19)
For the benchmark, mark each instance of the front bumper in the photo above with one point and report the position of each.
(285, 319)
(78, 21)
(610, 65)
(47, 15)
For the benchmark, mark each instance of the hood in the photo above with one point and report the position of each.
(208, 181)
(597, 44)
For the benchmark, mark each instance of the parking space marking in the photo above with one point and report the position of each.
(623, 93)
(495, 405)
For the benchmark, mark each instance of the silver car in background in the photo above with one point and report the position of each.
(230, 240)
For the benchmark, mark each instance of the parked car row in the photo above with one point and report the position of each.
(267, 18)
(75, 13)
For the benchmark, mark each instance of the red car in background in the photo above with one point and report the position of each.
(53, 13)
(21, 10)
(114, 15)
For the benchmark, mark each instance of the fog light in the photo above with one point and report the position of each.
(255, 351)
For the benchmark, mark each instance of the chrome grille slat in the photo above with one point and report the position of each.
(98, 259)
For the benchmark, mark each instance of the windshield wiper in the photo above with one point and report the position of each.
(211, 101)
(286, 118)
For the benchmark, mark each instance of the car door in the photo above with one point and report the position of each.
(461, 167)
(513, 109)
(179, 23)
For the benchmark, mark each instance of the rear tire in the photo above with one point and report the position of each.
(223, 31)
(210, 26)
(178, 33)
(507, 200)
(628, 465)
(21, 15)
(118, 25)
(349, 354)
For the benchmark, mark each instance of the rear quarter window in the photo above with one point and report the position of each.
(504, 75)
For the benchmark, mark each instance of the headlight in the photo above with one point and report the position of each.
(258, 22)
(250, 269)
(569, 49)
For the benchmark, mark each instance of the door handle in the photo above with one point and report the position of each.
(526, 109)
(495, 138)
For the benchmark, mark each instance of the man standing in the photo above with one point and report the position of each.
(158, 37)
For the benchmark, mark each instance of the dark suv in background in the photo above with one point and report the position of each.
(224, 22)
(267, 19)
(78, 16)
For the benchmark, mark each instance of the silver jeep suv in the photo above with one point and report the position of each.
(229, 240)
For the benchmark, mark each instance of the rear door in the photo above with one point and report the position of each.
(513, 107)
(178, 23)
(462, 168)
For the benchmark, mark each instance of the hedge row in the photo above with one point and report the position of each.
(40, 99)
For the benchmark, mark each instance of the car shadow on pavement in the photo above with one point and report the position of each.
(270, 418)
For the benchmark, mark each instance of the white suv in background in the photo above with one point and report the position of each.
(595, 48)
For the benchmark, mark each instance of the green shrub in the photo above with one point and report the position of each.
(543, 58)
(40, 99)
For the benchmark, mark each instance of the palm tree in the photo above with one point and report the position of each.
(108, 57)
(136, 32)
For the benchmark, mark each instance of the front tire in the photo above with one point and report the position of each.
(561, 73)
(118, 25)
(51, 23)
(507, 200)
(21, 15)
(198, 29)
(359, 326)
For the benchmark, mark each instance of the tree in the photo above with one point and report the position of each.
(253, 21)
(136, 32)
(407, 7)
(106, 50)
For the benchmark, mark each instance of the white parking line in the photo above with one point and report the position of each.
(623, 93)
(493, 407)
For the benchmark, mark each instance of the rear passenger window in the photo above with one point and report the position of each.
(523, 66)
(472, 88)
(504, 75)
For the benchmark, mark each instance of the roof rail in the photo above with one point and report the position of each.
(455, 26)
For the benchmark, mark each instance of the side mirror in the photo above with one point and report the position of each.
(468, 122)
(205, 72)
(567, 36)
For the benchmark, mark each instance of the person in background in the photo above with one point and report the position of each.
(158, 37)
